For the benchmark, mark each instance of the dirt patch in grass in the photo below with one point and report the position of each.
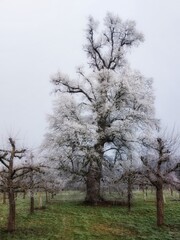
(172, 227)
(106, 203)
(116, 230)
(40, 208)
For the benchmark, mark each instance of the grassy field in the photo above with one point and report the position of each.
(67, 220)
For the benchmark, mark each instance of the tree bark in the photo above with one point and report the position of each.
(160, 205)
(12, 211)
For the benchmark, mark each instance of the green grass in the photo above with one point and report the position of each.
(68, 220)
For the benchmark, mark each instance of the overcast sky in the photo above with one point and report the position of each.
(40, 37)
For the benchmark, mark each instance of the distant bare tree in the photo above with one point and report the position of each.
(33, 178)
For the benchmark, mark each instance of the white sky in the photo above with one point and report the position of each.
(40, 37)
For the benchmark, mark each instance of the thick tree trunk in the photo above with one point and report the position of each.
(12, 211)
(93, 180)
(160, 205)
(93, 195)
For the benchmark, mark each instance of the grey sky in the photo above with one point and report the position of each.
(40, 37)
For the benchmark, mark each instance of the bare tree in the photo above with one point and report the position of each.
(12, 173)
(31, 180)
(36, 180)
(160, 163)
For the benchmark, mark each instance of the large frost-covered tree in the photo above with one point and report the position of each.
(104, 109)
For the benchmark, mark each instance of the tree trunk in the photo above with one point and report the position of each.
(93, 195)
(4, 197)
(12, 211)
(52, 195)
(171, 189)
(40, 200)
(31, 202)
(47, 198)
(129, 193)
(146, 191)
(160, 205)
(24, 194)
(144, 195)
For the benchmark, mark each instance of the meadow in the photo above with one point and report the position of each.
(66, 217)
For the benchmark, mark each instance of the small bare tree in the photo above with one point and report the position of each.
(12, 173)
(34, 180)
(159, 165)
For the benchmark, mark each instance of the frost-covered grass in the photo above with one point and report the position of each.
(68, 220)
